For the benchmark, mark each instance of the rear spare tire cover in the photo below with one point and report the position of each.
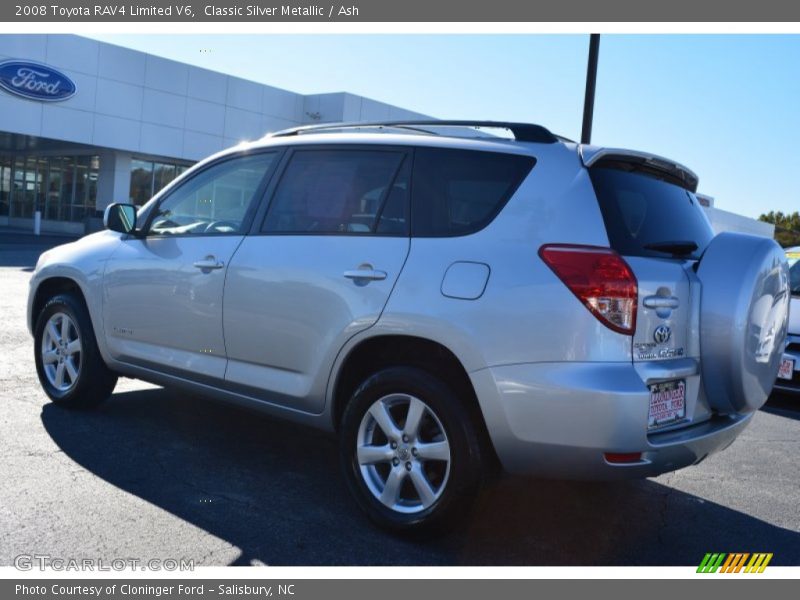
(744, 313)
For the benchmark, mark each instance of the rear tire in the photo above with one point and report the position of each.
(69, 365)
(410, 452)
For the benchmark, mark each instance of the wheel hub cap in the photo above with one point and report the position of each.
(403, 453)
(61, 352)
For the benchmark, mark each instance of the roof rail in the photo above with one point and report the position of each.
(522, 132)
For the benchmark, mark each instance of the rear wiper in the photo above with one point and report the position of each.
(676, 248)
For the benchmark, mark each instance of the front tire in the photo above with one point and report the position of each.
(410, 451)
(69, 365)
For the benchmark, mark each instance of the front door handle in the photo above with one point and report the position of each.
(365, 274)
(209, 263)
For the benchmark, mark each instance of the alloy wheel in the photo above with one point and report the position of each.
(403, 453)
(61, 352)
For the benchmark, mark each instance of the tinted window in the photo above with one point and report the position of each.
(794, 277)
(340, 191)
(640, 210)
(215, 200)
(393, 217)
(455, 192)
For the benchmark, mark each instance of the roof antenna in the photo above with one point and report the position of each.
(591, 83)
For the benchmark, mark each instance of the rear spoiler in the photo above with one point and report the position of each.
(676, 173)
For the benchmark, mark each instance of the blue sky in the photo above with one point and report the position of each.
(727, 106)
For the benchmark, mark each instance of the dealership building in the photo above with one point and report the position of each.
(84, 124)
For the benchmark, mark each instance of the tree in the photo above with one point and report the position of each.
(787, 227)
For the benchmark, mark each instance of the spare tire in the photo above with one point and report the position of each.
(744, 313)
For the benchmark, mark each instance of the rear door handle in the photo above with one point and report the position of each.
(661, 302)
(209, 263)
(365, 275)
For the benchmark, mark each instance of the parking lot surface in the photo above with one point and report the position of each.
(156, 473)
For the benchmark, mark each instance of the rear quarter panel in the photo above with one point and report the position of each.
(526, 314)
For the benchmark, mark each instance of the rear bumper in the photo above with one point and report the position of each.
(559, 419)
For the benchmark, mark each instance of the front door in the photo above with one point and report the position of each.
(163, 288)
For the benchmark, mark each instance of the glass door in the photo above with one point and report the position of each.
(52, 204)
(5, 185)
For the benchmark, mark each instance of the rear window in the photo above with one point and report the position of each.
(457, 192)
(640, 210)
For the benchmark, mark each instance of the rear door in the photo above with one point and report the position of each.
(658, 226)
(318, 270)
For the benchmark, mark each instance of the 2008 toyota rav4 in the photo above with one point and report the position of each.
(443, 296)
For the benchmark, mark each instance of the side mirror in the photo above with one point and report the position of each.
(120, 217)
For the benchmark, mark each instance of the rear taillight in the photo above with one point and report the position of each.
(600, 278)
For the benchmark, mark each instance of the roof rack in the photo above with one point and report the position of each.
(522, 132)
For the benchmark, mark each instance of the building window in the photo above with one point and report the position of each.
(5, 185)
(85, 197)
(149, 177)
(141, 181)
(162, 175)
(63, 188)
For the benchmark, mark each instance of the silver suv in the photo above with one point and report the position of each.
(448, 296)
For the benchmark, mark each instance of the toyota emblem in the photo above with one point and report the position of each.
(662, 334)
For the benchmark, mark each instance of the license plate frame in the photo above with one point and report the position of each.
(667, 403)
(786, 368)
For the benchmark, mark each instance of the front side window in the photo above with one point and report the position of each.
(214, 201)
(341, 191)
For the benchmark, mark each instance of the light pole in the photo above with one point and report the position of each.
(591, 83)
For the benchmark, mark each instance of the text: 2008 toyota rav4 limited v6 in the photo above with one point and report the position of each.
(443, 297)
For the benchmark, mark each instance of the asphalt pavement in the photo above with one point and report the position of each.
(156, 473)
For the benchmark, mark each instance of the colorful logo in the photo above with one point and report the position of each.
(734, 562)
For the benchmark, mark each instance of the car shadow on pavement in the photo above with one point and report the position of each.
(24, 261)
(274, 491)
(783, 405)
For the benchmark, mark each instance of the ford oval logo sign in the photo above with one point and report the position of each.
(35, 81)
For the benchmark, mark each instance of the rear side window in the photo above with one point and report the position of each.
(341, 191)
(457, 192)
(641, 212)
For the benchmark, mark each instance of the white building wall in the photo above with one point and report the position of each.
(342, 106)
(723, 220)
(146, 104)
(113, 178)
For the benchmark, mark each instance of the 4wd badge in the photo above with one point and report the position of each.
(662, 334)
